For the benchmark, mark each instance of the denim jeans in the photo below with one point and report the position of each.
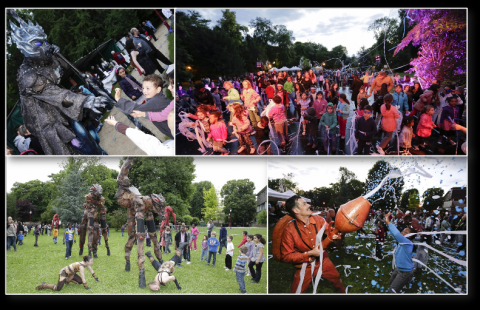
(210, 257)
(55, 239)
(222, 244)
(241, 280)
(329, 138)
(204, 253)
(69, 248)
(10, 242)
(122, 233)
(312, 139)
(291, 98)
(167, 246)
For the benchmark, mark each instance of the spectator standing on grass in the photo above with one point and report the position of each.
(212, 248)
(210, 228)
(20, 230)
(240, 268)
(223, 238)
(37, 232)
(229, 253)
(250, 245)
(168, 240)
(204, 248)
(257, 258)
(194, 234)
(244, 240)
(69, 238)
(122, 229)
(11, 234)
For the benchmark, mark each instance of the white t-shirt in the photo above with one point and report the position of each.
(230, 247)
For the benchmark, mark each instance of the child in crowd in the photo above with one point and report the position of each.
(277, 113)
(240, 267)
(447, 119)
(380, 239)
(216, 97)
(202, 115)
(37, 233)
(343, 111)
(304, 103)
(249, 246)
(329, 121)
(365, 129)
(244, 239)
(162, 242)
(312, 126)
(389, 114)
(229, 254)
(262, 133)
(204, 248)
(243, 128)
(20, 238)
(257, 258)
(425, 125)
(168, 239)
(218, 132)
(213, 244)
(406, 135)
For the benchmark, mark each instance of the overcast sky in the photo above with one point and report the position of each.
(313, 172)
(329, 27)
(26, 168)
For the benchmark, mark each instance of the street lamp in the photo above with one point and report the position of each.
(30, 216)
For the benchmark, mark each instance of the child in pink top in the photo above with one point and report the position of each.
(389, 116)
(277, 113)
(243, 128)
(218, 132)
(426, 124)
(195, 233)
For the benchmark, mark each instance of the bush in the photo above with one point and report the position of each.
(195, 221)
(262, 217)
(187, 219)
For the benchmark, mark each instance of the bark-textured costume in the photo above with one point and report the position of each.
(90, 221)
(49, 111)
(139, 206)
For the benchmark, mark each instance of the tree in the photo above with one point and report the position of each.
(195, 221)
(37, 192)
(118, 218)
(387, 196)
(262, 217)
(211, 210)
(407, 196)
(283, 184)
(442, 37)
(69, 204)
(239, 196)
(187, 219)
(197, 202)
(228, 23)
(11, 205)
(432, 204)
(347, 187)
(24, 206)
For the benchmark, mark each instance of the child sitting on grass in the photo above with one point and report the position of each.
(229, 254)
(213, 244)
(240, 267)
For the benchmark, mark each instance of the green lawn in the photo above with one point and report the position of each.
(30, 266)
(171, 46)
(281, 274)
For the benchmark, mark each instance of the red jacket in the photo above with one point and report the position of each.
(270, 92)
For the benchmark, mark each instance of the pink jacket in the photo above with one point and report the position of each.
(424, 128)
(195, 231)
(277, 112)
(243, 125)
(250, 97)
(160, 116)
(218, 131)
(388, 118)
(320, 107)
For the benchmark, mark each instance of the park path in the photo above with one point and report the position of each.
(115, 143)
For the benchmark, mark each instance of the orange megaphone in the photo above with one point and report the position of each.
(352, 215)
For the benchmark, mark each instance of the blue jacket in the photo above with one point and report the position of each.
(128, 89)
(213, 244)
(403, 254)
(400, 101)
(223, 233)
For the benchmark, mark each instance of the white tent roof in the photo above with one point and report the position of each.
(274, 195)
(273, 68)
(295, 68)
(283, 69)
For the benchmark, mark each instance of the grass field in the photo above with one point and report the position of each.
(280, 274)
(30, 266)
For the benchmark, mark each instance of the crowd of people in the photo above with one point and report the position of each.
(316, 108)
(405, 229)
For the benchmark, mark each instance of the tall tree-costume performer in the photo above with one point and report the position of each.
(166, 221)
(139, 206)
(69, 274)
(164, 274)
(90, 221)
(51, 113)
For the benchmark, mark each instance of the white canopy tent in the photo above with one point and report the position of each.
(295, 68)
(283, 69)
(275, 196)
(274, 68)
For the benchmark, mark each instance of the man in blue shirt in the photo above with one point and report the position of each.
(69, 237)
(403, 271)
(223, 238)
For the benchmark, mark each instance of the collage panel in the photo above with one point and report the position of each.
(371, 225)
(90, 82)
(136, 225)
(261, 82)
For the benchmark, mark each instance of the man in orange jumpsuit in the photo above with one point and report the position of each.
(298, 245)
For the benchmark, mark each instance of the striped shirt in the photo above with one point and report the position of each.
(240, 265)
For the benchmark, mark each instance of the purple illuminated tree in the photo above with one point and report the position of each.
(442, 36)
(24, 207)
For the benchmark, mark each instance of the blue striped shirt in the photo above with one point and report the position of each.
(240, 265)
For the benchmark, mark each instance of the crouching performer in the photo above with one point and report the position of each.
(69, 275)
(164, 270)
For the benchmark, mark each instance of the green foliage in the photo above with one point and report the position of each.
(118, 218)
(195, 221)
(432, 204)
(347, 187)
(197, 202)
(283, 184)
(24, 207)
(47, 216)
(170, 176)
(69, 204)
(11, 205)
(187, 219)
(375, 175)
(37, 192)
(262, 217)
(239, 196)
(211, 209)
(407, 195)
